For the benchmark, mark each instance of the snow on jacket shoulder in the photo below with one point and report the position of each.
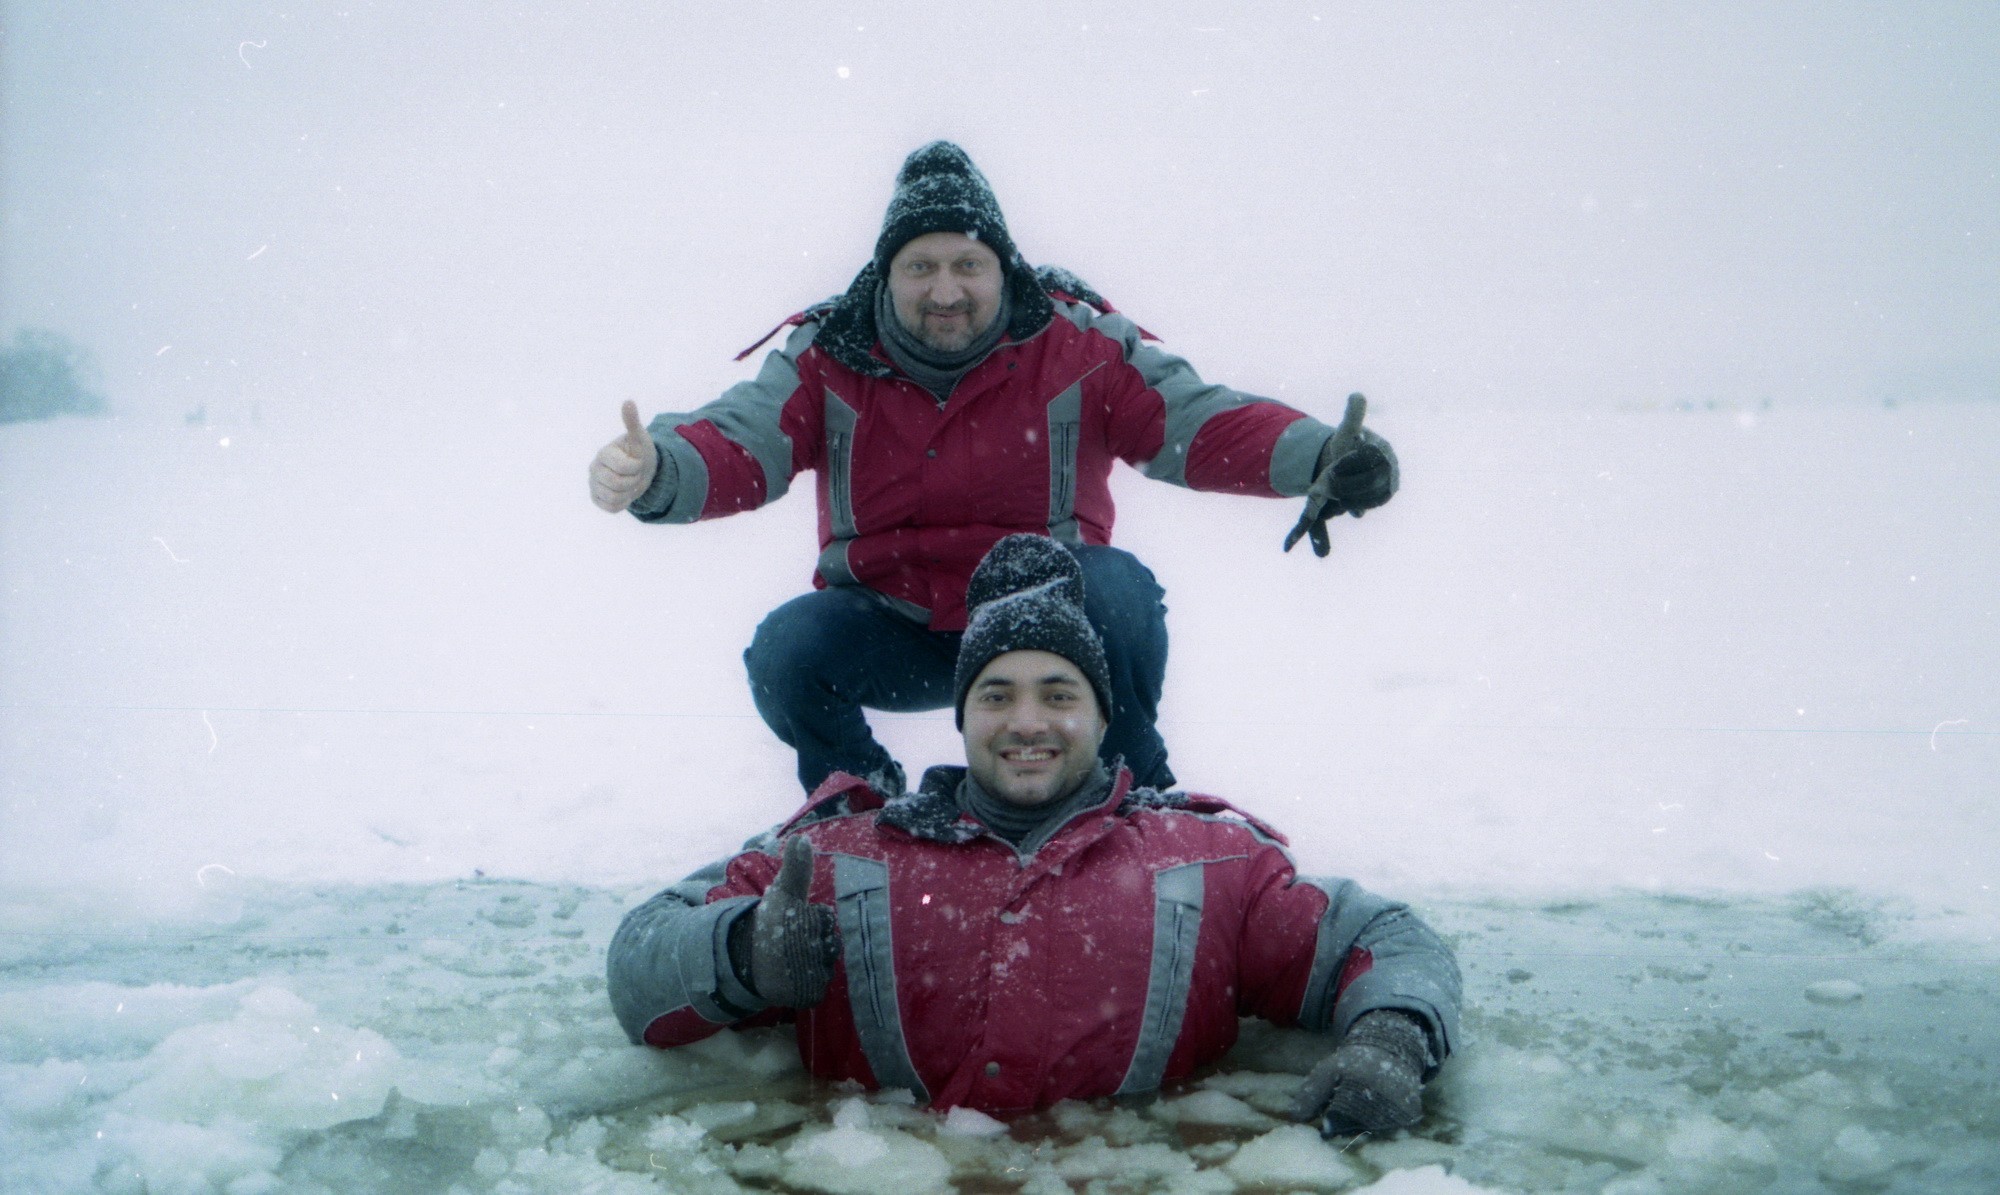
(1116, 958)
(912, 492)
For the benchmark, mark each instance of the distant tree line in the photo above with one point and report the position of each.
(43, 375)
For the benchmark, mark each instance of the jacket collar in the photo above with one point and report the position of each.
(848, 334)
(932, 812)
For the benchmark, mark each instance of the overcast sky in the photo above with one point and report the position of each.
(444, 206)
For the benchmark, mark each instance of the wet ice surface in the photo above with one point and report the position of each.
(455, 1037)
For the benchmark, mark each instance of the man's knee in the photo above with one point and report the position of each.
(1121, 595)
(795, 636)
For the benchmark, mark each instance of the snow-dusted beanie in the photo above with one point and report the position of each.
(940, 190)
(1027, 595)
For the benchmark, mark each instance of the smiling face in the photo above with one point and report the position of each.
(1032, 728)
(946, 289)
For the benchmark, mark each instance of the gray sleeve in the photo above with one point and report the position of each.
(672, 954)
(748, 414)
(1413, 970)
(1192, 402)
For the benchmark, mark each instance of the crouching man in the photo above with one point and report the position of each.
(1031, 928)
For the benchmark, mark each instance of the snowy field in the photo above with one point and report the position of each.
(320, 814)
(337, 729)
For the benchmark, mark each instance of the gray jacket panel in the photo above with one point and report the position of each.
(1191, 403)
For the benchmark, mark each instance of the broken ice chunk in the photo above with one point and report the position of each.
(1834, 991)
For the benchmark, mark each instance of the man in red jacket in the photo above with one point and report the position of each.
(1033, 927)
(951, 396)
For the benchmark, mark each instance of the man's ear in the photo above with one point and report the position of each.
(1103, 728)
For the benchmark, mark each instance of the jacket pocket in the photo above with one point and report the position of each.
(1065, 429)
(861, 904)
(1177, 894)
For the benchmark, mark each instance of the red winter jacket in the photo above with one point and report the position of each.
(912, 492)
(1116, 957)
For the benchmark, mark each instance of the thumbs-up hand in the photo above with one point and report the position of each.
(625, 467)
(792, 943)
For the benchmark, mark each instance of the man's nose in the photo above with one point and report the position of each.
(1028, 718)
(946, 291)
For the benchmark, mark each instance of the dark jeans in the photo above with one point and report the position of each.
(818, 659)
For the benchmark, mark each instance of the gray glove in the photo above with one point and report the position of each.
(1363, 476)
(1372, 1083)
(1357, 472)
(784, 948)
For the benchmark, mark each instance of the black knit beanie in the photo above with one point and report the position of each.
(1027, 595)
(940, 190)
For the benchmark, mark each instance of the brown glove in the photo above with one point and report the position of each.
(784, 949)
(1372, 1083)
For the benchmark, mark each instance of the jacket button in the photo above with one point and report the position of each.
(992, 1070)
(932, 452)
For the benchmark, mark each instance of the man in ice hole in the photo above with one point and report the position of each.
(1033, 927)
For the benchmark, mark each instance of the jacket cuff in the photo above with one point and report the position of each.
(667, 499)
(668, 957)
(1415, 994)
(659, 493)
(1295, 457)
(731, 992)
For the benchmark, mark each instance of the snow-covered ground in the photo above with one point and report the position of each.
(337, 728)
